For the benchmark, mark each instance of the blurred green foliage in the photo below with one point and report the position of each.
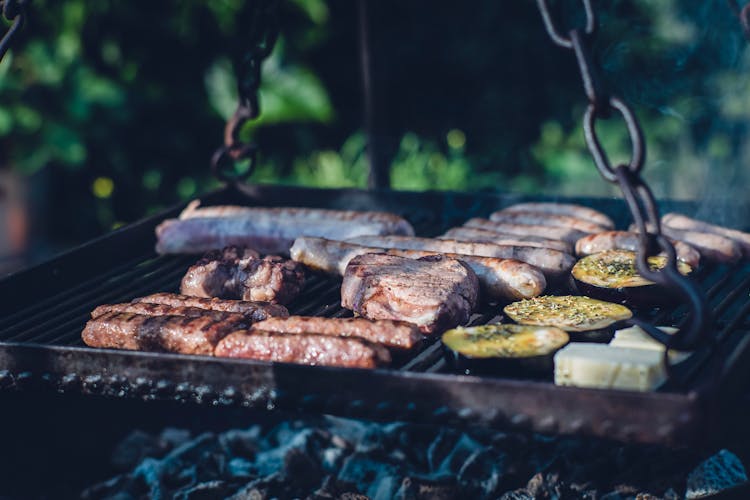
(115, 107)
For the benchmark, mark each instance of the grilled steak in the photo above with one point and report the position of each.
(546, 219)
(566, 234)
(684, 223)
(499, 278)
(309, 349)
(569, 209)
(237, 274)
(482, 235)
(552, 263)
(398, 334)
(256, 311)
(180, 334)
(269, 230)
(434, 292)
(626, 240)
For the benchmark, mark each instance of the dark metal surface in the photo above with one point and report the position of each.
(44, 310)
(639, 197)
(15, 12)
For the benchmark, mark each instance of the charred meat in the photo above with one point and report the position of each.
(256, 311)
(435, 293)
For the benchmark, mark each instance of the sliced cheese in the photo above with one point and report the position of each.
(586, 364)
(635, 337)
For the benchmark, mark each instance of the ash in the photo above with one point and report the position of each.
(331, 458)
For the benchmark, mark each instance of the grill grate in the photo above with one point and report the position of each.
(43, 338)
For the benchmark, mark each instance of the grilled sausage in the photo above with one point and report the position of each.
(481, 235)
(684, 223)
(178, 334)
(308, 349)
(577, 211)
(552, 263)
(147, 309)
(268, 230)
(498, 278)
(566, 234)
(626, 240)
(546, 219)
(257, 311)
(396, 334)
(711, 246)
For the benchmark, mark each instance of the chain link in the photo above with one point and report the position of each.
(262, 33)
(13, 11)
(637, 194)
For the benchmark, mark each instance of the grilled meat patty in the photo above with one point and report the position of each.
(684, 223)
(482, 235)
(308, 349)
(180, 334)
(398, 334)
(435, 292)
(236, 273)
(566, 234)
(269, 230)
(552, 263)
(256, 311)
(498, 278)
(152, 310)
(546, 219)
(569, 209)
(626, 240)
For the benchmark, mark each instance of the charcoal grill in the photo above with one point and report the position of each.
(45, 308)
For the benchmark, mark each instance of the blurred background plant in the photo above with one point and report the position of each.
(110, 110)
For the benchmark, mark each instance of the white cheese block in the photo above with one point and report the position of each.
(586, 364)
(634, 337)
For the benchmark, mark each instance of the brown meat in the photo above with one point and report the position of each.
(481, 235)
(257, 311)
(269, 230)
(552, 263)
(153, 310)
(627, 240)
(711, 246)
(238, 274)
(309, 349)
(498, 278)
(396, 334)
(566, 234)
(180, 334)
(546, 219)
(435, 293)
(684, 223)
(569, 209)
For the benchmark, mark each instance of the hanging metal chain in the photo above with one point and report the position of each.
(262, 33)
(638, 195)
(743, 14)
(14, 11)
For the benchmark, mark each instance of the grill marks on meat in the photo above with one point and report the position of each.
(154, 310)
(179, 334)
(235, 273)
(568, 209)
(481, 235)
(627, 240)
(684, 223)
(498, 278)
(269, 230)
(435, 292)
(309, 349)
(256, 311)
(566, 234)
(552, 263)
(397, 334)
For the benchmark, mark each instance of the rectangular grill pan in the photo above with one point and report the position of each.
(45, 308)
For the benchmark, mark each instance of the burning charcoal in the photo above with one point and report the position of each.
(422, 489)
(439, 449)
(240, 468)
(271, 486)
(300, 470)
(366, 471)
(333, 489)
(173, 438)
(718, 473)
(241, 443)
(547, 486)
(517, 495)
(463, 449)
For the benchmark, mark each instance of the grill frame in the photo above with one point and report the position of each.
(676, 416)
